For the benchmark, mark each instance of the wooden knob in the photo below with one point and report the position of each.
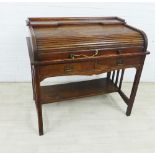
(68, 68)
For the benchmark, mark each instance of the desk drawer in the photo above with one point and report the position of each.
(118, 62)
(90, 67)
(66, 69)
(68, 55)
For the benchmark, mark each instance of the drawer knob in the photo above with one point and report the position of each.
(68, 68)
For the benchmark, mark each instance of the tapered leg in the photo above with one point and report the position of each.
(134, 90)
(40, 120)
(37, 100)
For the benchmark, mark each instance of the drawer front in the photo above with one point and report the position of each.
(118, 62)
(81, 68)
(92, 67)
(67, 55)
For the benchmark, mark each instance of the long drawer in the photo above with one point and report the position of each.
(90, 67)
(46, 56)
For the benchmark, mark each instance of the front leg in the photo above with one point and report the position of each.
(40, 119)
(37, 99)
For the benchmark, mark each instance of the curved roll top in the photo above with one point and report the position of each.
(75, 34)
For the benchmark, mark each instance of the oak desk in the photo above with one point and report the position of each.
(83, 46)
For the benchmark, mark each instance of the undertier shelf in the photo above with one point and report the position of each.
(60, 92)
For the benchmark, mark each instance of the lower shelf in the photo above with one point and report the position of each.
(74, 90)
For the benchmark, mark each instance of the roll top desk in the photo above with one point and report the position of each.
(83, 46)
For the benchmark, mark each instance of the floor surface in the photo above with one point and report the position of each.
(91, 124)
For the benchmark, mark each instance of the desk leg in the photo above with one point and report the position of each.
(134, 90)
(40, 121)
(33, 86)
(37, 100)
